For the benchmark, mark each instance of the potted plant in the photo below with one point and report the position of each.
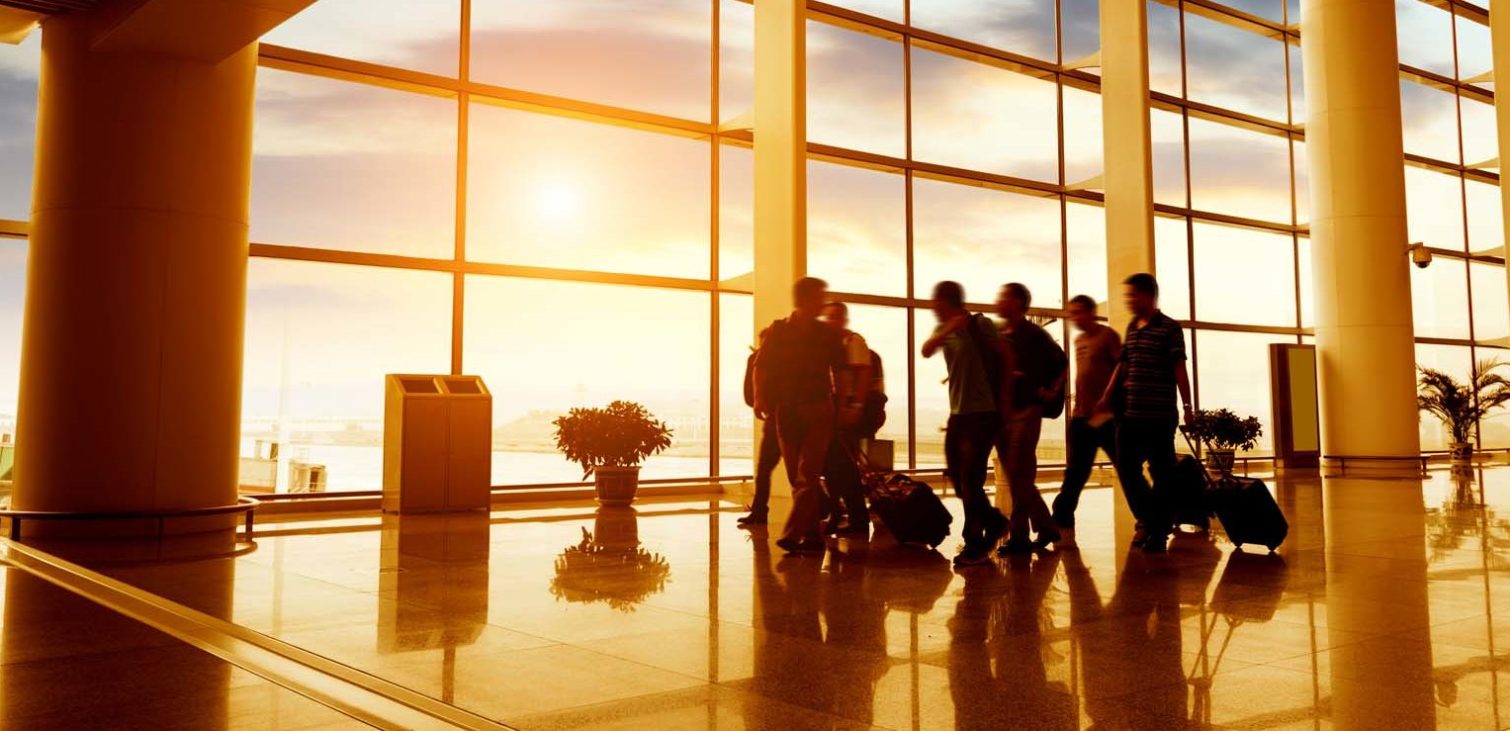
(610, 443)
(1222, 433)
(1460, 406)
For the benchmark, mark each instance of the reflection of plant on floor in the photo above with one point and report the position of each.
(622, 576)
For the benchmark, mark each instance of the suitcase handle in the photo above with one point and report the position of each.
(1196, 452)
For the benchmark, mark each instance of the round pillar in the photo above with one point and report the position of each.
(136, 281)
(1365, 342)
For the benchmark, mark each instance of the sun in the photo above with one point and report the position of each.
(558, 200)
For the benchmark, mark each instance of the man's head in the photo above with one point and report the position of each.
(1082, 311)
(808, 295)
(836, 314)
(1013, 301)
(948, 299)
(1141, 293)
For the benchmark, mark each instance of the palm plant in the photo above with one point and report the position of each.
(1460, 406)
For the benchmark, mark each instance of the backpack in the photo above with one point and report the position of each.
(990, 360)
(750, 379)
(873, 411)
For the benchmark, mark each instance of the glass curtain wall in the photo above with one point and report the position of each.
(558, 196)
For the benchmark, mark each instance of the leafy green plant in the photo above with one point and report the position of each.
(1460, 406)
(622, 434)
(1222, 429)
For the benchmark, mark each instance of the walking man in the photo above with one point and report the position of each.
(1037, 371)
(973, 353)
(769, 452)
(1150, 371)
(840, 473)
(796, 370)
(1092, 426)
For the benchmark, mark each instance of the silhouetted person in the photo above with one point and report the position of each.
(973, 353)
(840, 474)
(1037, 369)
(1149, 373)
(795, 375)
(855, 641)
(1092, 425)
(766, 459)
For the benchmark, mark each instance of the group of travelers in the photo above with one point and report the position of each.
(819, 391)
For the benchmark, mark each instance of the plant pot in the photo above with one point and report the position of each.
(616, 485)
(1462, 454)
(1221, 461)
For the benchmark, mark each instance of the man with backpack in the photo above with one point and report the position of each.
(769, 454)
(1037, 369)
(973, 353)
(840, 474)
(796, 370)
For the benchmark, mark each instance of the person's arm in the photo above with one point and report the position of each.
(1182, 382)
(762, 405)
(936, 341)
(1061, 361)
(1105, 402)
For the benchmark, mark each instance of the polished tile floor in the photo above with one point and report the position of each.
(1385, 609)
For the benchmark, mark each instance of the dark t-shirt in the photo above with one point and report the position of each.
(797, 362)
(1150, 356)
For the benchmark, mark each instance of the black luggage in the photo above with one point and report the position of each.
(908, 509)
(1246, 510)
(1187, 496)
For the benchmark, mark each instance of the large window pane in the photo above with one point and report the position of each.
(414, 35)
(326, 174)
(1164, 53)
(555, 192)
(1494, 430)
(1303, 256)
(1233, 373)
(1491, 321)
(545, 347)
(1235, 68)
(855, 95)
(984, 238)
(1244, 276)
(981, 117)
(1425, 36)
(12, 298)
(857, 229)
(736, 60)
(1455, 361)
(888, 9)
(1486, 230)
(1085, 238)
(1080, 29)
(1475, 54)
(1172, 260)
(885, 331)
(1267, 9)
(1430, 120)
(1480, 141)
(1302, 166)
(1024, 27)
(1434, 208)
(1439, 297)
(932, 397)
(19, 66)
(319, 340)
(650, 56)
(736, 215)
(736, 421)
(1082, 135)
(1167, 134)
(1239, 172)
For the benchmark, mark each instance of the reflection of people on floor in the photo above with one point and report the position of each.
(856, 638)
(1132, 667)
(996, 668)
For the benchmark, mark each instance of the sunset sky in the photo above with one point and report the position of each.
(349, 166)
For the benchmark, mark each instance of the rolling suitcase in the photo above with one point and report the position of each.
(908, 509)
(1187, 499)
(1246, 510)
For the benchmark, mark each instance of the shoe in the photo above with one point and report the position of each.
(805, 546)
(751, 520)
(972, 556)
(996, 527)
(1066, 538)
(852, 528)
(1017, 546)
(1156, 543)
(1045, 539)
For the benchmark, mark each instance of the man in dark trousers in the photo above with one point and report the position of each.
(1149, 373)
(796, 370)
(1036, 372)
(766, 460)
(973, 353)
(840, 474)
(1097, 348)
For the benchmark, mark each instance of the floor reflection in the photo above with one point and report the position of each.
(1382, 611)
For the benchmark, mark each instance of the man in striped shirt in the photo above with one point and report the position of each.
(1150, 372)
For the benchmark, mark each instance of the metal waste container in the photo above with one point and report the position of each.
(437, 443)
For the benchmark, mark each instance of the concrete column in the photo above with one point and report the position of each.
(780, 155)
(1365, 344)
(136, 286)
(1128, 157)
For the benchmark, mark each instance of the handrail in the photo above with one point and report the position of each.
(245, 505)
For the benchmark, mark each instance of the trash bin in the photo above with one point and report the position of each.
(437, 443)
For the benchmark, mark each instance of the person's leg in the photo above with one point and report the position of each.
(812, 452)
(954, 467)
(765, 465)
(1028, 508)
(1082, 456)
(1132, 452)
(794, 429)
(978, 438)
(1161, 462)
(845, 477)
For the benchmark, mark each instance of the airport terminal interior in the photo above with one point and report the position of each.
(298, 299)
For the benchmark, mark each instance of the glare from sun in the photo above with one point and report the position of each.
(558, 201)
